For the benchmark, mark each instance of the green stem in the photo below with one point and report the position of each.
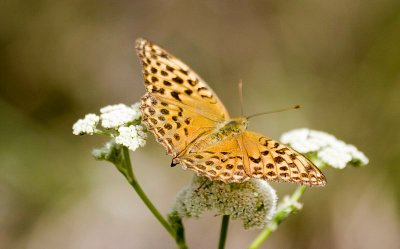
(279, 217)
(133, 182)
(263, 235)
(298, 193)
(104, 133)
(224, 231)
(176, 222)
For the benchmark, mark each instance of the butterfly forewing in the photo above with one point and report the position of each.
(174, 127)
(168, 78)
(178, 106)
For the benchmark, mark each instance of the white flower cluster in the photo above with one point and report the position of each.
(119, 121)
(132, 137)
(114, 116)
(254, 201)
(327, 148)
(86, 125)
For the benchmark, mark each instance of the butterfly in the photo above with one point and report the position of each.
(193, 125)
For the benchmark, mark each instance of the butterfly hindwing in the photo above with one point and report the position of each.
(251, 155)
(271, 160)
(221, 161)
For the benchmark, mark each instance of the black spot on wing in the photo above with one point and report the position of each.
(188, 92)
(265, 152)
(191, 82)
(178, 80)
(154, 79)
(206, 96)
(269, 166)
(278, 159)
(255, 160)
(175, 95)
(201, 88)
(164, 111)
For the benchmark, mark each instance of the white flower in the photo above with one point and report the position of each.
(254, 201)
(120, 121)
(336, 157)
(328, 149)
(132, 137)
(86, 125)
(357, 155)
(114, 116)
(136, 108)
(289, 203)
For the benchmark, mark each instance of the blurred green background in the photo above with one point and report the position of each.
(63, 59)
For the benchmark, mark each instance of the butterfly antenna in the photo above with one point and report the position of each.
(275, 111)
(240, 88)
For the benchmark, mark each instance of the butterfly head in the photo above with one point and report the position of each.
(234, 126)
(241, 123)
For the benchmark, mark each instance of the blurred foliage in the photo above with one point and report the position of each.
(62, 59)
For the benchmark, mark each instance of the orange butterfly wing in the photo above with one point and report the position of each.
(178, 106)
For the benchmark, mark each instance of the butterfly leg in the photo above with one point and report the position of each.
(201, 185)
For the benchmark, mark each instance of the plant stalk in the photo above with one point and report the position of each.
(136, 186)
(224, 231)
(278, 218)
